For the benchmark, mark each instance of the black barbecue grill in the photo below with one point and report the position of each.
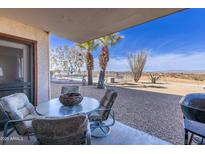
(193, 108)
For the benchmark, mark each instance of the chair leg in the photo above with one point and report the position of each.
(191, 138)
(186, 137)
(5, 133)
(100, 131)
(103, 130)
(202, 140)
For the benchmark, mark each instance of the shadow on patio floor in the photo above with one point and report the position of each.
(120, 135)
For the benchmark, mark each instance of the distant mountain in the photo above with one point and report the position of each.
(180, 71)
(168, 71)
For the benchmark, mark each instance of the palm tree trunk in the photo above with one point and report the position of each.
(89, 63)
(101, 79)
(90, 78)
(103, 59)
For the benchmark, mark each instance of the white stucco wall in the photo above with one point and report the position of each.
(12, 27)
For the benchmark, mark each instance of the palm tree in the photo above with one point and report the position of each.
(105, 42)
(89, 47)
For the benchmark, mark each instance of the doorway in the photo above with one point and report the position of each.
(17, 68)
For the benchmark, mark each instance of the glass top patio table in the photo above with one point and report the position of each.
(55, 108)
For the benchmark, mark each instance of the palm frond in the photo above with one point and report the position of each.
(111, 39)
(89, 46)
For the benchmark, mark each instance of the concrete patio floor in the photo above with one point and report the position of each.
(120, 135)
(124, 135)
(154, 113)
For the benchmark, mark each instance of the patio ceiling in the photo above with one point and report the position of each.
(80, 25)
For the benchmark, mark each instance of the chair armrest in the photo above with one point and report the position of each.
(20, 120)
(112, 114)
(103, 109)
(99, 109)
(12, 121)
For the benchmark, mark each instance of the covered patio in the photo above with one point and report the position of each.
(79, 25)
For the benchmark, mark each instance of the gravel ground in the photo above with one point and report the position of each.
(155, 113)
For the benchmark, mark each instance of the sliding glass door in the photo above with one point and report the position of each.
(16, 69)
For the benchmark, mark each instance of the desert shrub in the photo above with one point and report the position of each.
(136, 63)
(154, 77)
(198, 78)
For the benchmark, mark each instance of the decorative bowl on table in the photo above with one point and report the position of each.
(70, 99)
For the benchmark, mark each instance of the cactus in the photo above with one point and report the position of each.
(154, 77)
(136, 63)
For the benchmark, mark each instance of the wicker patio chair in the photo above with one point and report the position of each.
(20, 113)
(62, 130)
(193, 108)
(103, 118)
(70, 89)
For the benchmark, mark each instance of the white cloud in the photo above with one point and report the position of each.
(165, 43)
(114, 64)
(161, 62)
(119, 64)
(174, 61)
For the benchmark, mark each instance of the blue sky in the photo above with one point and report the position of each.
(174, 42)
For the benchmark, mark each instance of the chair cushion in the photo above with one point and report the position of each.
(107, 102)
(61, 130)
(18, 107)
(106, 98)
(17, 102)
(25, 127)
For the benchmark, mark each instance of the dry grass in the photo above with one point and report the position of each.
(165, 88)
(169, 83)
